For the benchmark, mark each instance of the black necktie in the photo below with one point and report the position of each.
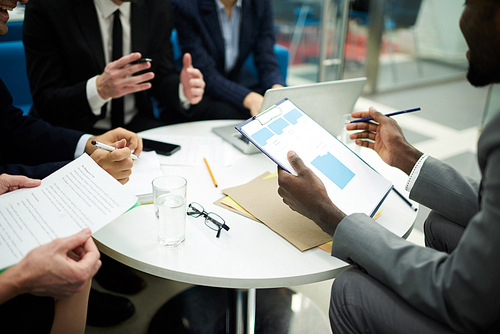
(116, 53)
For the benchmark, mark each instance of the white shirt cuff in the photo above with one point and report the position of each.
(415, 172)
(80, 147)
(183, 99)
(95, 100)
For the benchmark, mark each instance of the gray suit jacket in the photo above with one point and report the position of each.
(462, 289)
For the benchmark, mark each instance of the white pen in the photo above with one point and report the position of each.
(110, 148)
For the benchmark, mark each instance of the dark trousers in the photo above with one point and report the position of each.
(361, 304)
(27, 314)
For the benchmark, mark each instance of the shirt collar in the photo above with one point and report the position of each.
(108, 7)
(220, 5)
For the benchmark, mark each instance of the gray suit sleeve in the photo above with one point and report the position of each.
(460, 289)
(443, 189)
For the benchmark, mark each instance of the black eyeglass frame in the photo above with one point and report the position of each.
(197, 213)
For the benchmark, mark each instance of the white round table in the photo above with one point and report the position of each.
(249, 255)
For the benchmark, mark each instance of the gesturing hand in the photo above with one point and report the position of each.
(118, 80)
(192, 80)
(386, 138)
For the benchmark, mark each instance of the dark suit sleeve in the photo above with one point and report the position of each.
(57, 67)
(192, 38)
(156, 29)
(34, 172)
(31, 142)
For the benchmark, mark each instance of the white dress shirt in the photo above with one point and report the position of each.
(105, 10)
(230, 29)
(415, 172)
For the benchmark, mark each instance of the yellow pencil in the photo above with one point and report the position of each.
(210, 171)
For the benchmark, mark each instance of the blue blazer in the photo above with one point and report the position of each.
(31, 146)
(197, 24)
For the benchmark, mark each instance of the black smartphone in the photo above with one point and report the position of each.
(142, 60)
(159, 147)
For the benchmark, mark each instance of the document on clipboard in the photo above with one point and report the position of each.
(351, 183)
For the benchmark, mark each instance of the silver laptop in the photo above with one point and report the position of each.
(325, 102)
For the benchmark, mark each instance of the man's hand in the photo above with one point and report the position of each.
(306, 194)
(191, 80)
(386, 138)
(253, 102)
(118, 80)
(112, 137)
(117, 163)
(14, 182)
(57, 269)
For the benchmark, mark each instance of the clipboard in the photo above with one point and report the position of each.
(352, 184)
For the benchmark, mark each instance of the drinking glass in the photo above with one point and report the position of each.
(169, 193)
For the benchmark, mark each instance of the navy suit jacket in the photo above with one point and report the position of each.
(197, 24)
(31, 146)
(63, 48)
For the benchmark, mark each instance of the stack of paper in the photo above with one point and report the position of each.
(79, 195)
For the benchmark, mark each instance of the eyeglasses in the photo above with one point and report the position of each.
(212, 220)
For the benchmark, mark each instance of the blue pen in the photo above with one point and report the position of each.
(414, 208)
(367, 119)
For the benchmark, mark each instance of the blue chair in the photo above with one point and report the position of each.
(282, 55)
(15, 32)
(13, 74)
(176, 47)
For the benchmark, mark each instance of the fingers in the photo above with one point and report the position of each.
(118, 78)
(377, 116)
(91, 257)
(117, 163)
(283, 176)
(121, 144)
(366, 126)
(193, 83)
(134, 142)
(364, 114)
(187, 61)
(197, 83)
(123, 85)
(296, 162)
(125, 60)
(14, 182)
(88, 263)
(195, 73)
(126, 70)
(72, 242)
